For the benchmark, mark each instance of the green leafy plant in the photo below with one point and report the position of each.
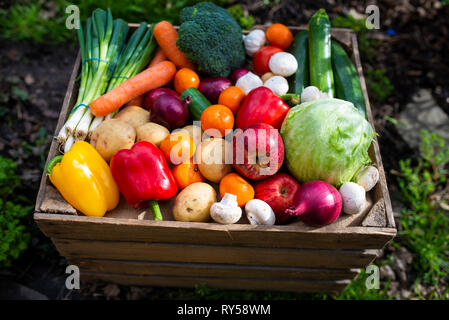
(245, 21)
(357, 289)
(31, 19)
(26, 20)
(424, 223)
(379, 85)
(13, 236)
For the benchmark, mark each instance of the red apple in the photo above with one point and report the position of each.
(278, 191)
(258, 152)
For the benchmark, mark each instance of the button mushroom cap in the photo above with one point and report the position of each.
(259, 212)
(367, 177)
(283, 64)
(227, 210)
(353, 196)
(277, 84)
(249, 82)
(254, 41)
(310, 93)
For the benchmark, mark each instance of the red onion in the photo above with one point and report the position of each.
(317, 204)
(236, 74)
(212, 87)
(152, 95)
(170, 112)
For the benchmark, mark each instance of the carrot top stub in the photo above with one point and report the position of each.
(151, 78)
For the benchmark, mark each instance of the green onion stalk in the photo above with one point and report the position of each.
(100, 45)
(134, 58)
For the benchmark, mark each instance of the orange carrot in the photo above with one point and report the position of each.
(151, 78)
(159, 56)
(166, 36)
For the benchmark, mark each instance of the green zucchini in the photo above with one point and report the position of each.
(198, 102)
(347, 81)
(300, 79)
(320, 67)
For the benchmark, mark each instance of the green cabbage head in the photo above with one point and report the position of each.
(326, 139)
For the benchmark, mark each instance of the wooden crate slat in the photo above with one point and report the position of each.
(169, 252)
(69, 101)
(329, 286)
(210, 270)
(381, 189)
(92, 228)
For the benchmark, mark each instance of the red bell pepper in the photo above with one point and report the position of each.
(261, 105)
(143, 176)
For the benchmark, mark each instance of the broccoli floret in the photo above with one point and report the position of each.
(209, 36)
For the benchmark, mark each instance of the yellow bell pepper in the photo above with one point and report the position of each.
(85, 180)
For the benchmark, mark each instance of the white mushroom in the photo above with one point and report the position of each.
(353, 196)
(227, 210)
(249, 82)
(283, 64)
(277, 84)
(259, 212)
(367, 177)
(310, 93)
(324, 95)
(254, 41)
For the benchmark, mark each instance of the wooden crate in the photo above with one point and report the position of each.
(123, 249)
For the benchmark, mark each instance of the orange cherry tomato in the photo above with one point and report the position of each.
(232, 98)
(178, 147)
(186, 173)
(186, 78)
(218, 117)
(235, 184)
(278, 35)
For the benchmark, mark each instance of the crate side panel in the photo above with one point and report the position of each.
(87, 228)
(210, 270)
(330, 286)
(169, 252)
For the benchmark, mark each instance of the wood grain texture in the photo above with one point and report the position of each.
(69, 101)
(258, 256)
(210, 270)
(91, 228)
(381, 189)
(328, 286)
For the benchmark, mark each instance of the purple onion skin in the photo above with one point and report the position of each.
(212, 87)
(236, 74)
(316, 203)
(170, 112)
(152, 95)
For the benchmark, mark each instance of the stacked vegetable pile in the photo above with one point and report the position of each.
(137, 98)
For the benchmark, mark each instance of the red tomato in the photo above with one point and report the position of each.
(262, 57)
